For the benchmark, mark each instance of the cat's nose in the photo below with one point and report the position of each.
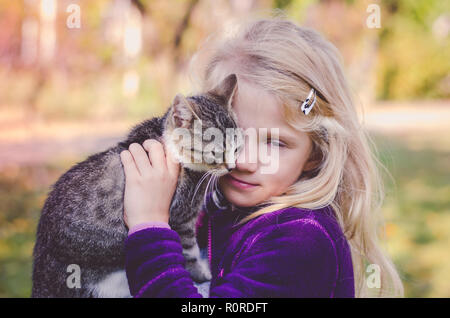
(230, 166)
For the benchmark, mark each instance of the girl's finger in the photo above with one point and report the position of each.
(173, 166)
(140, 158)
(156, 153)
(129, 166)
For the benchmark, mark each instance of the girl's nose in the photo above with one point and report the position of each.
(245, 161)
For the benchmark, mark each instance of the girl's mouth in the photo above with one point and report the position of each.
(239, 183)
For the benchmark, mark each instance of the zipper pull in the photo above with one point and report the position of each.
(209, 241)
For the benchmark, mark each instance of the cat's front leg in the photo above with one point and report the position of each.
(112, 285)
(195, 264)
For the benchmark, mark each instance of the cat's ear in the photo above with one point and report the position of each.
(182, 112)
(226, 89)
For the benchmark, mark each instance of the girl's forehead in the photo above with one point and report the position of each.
(258, 108)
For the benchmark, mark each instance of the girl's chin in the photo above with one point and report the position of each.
(239, 198)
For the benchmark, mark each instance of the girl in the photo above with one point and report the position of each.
(308, 230)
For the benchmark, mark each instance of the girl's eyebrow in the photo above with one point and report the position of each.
(283, 135)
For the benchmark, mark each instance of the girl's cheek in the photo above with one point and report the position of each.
(270, 161)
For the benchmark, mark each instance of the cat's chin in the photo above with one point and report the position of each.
(195, 167)
(218, 172)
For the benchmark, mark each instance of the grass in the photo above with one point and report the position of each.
(417, 212)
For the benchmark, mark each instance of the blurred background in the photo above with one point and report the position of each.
(75, 76)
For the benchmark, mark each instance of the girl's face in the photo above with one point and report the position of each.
(256, 108)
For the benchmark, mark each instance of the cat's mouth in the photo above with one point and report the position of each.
(222, 171)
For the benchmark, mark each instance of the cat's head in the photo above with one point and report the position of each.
(201, 130)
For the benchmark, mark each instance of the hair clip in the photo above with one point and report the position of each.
(308, 104)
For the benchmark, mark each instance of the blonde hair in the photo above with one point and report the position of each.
(287, 60)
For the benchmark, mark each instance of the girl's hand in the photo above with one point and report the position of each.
(150, 182)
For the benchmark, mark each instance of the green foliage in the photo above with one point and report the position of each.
(413, 63)
(281, 4)
(18, 218)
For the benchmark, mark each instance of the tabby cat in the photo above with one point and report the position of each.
(81, 226)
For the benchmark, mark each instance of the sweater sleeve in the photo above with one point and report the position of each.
(294, 259)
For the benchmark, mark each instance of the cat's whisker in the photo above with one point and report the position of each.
(202, 179)
(216, 183)
(207, 186)
(199, 184)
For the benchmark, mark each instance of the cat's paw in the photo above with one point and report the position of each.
(199, 271)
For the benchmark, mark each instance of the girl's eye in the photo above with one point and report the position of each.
(276, 143)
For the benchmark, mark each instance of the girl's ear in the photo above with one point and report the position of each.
(226, 90)
(182, 112)
(313, 161)
(311, 165)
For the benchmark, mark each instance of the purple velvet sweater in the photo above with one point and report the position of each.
(287, 253)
